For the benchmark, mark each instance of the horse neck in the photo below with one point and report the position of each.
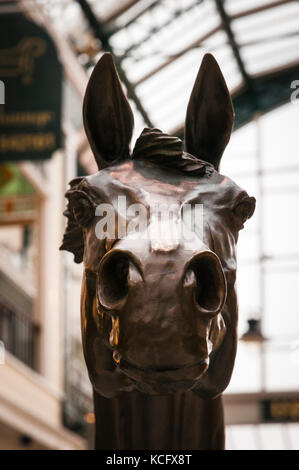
(135, 421)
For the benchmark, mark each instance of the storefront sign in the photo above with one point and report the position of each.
(280, 409)
(31, 82)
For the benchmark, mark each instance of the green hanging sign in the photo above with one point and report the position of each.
(30, 91)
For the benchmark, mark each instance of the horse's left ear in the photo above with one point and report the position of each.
(210, 114)
(107, 115)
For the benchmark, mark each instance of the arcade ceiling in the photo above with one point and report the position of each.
(158, 46)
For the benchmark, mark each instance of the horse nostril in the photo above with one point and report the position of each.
(205, 276)
(117, 272)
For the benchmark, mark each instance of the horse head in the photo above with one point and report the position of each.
(156, 229)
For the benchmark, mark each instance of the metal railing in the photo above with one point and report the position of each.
(19, 333)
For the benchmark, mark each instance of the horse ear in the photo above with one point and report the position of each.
(107, 115)
(210, 114)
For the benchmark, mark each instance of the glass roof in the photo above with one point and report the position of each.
(160, 44)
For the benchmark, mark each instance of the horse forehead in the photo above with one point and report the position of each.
(158, 181)
(151, 185)
(147, 183)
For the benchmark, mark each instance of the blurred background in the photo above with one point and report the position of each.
(47, 51)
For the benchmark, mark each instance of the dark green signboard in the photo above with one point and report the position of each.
(31, 83)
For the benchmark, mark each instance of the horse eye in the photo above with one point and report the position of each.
(83, 211)
(243, 211)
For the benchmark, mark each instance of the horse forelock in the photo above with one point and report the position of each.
(167, 151)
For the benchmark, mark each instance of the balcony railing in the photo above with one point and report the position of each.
(19, 333)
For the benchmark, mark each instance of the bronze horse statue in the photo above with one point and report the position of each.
(158, 313)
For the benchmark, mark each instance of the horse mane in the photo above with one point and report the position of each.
(152, 145)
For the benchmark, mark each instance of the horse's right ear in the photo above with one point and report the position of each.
(107, 115)
(210, 114)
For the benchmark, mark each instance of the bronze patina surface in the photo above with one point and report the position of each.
(159, 314)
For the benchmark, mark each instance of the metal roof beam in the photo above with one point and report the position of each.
(119, 11)
(177, 55)
(164, 25)
(252, 11)
(231, 38)
(100, 33)
(132, 20)
(196, 43)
